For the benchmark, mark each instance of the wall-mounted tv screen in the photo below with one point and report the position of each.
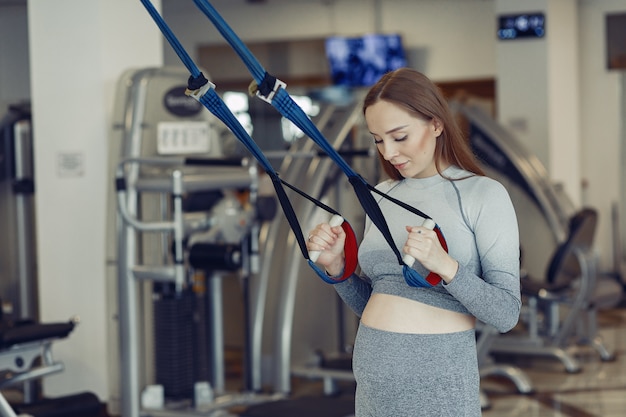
(361, 61)
(523, 25)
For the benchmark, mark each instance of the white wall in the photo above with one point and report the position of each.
(601, 119)
(522, 74)
(73, 76)
(538, 86)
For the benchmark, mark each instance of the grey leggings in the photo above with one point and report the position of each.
(411, 375)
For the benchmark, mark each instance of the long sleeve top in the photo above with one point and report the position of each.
(478, 221)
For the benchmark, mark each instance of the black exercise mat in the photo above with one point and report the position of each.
(303, 407)
(30, 332)
(85, 404)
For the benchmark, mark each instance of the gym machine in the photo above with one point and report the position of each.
(185, 218)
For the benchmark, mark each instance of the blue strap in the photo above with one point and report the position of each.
(173, 41)
(283, 102)
(201, 89)
(254, 66)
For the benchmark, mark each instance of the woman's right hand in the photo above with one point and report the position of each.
(329, 241)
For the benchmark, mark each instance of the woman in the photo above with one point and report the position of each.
(415, 350)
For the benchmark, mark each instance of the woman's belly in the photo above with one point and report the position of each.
(401, 315)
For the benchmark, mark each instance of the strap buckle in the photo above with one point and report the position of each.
(253, 89)
(200, 92)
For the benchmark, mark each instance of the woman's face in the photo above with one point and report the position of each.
(404, 140)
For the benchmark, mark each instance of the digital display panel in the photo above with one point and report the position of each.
(521, 26)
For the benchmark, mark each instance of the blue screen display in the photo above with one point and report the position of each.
(530, 25)
(361, 61)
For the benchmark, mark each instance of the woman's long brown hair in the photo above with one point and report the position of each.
(415, 92)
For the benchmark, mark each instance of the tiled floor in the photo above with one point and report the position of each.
(599, 390)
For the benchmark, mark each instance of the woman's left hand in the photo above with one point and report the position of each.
(423, 244)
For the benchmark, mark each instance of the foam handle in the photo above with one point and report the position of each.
(336, 220)
(408, 259)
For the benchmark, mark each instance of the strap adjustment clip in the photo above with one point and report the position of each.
(254, 88)
(198, 93)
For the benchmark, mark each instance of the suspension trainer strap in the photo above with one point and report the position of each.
(413, 210)
(204, 91)
(273, 91)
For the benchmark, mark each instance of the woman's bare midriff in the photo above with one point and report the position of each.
(401, 315)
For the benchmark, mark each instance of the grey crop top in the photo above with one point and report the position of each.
(479, 224)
